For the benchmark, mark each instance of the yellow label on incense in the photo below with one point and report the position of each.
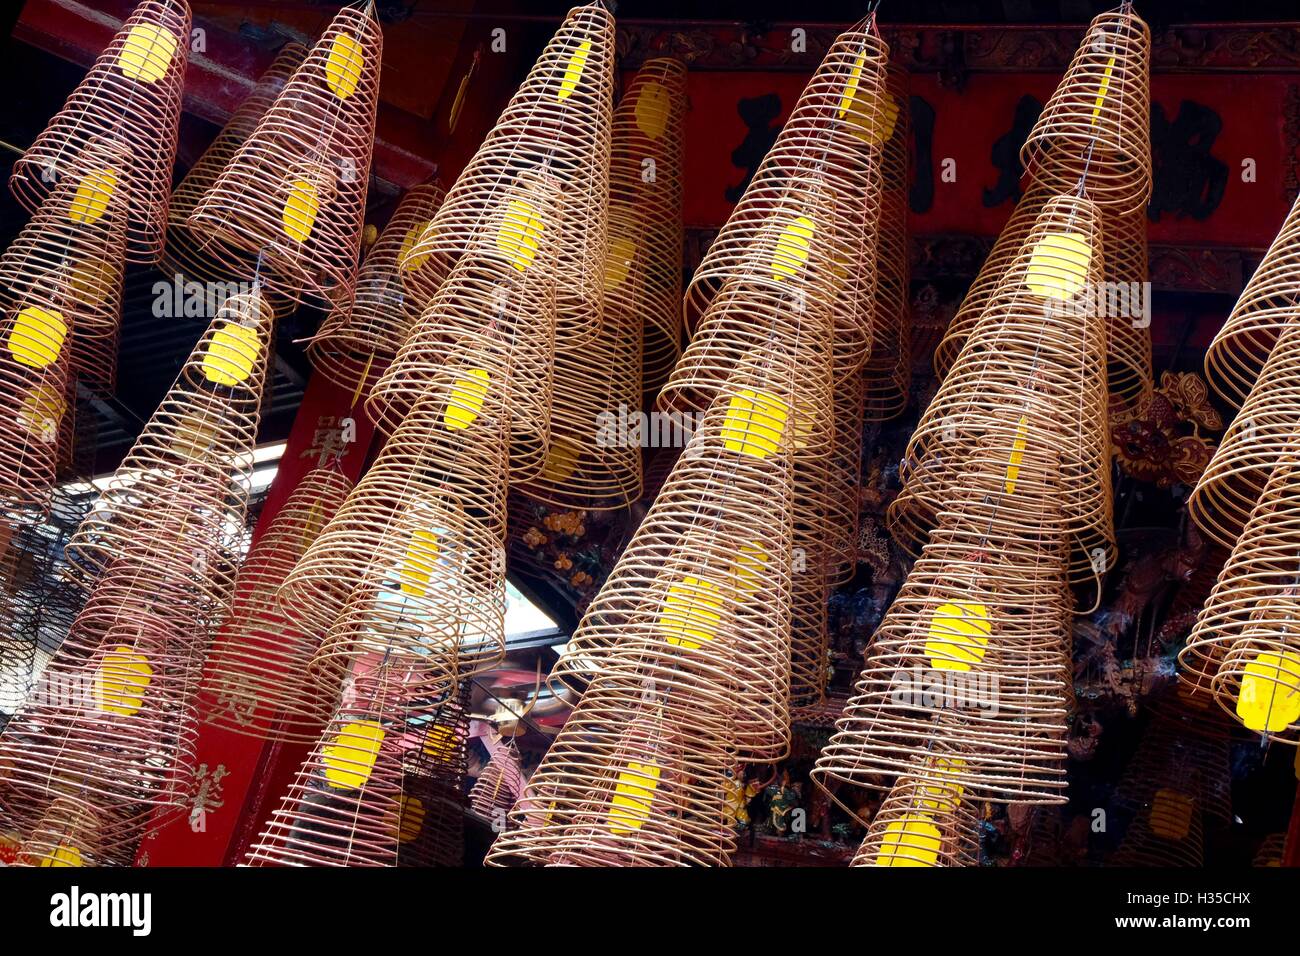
(634, 793)
(350, 755)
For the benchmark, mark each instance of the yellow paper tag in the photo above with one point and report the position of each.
(146, 53)
(754, 423)
(1058, 265)
(343, 66)
(958, 636)
(121, 680)
(1269, 698)
(791, 253)
(300, 210)
(466, 400)
(573, 72)
(36, 337)
(350, 755)
(691, 614)
(634, 794)
(911, 840)
(231, 354)
(92, 196)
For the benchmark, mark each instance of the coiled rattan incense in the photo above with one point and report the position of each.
(1262, 434)
(1173, 756)
(255, 676)
(499, 784)
(887, 374)
(638, 776)
(433, 803)
(1266, 309)
(836, 134)
(358, 340)
(645, 175)
(294, 195)
(194, 454)
(132, 95)
(1247, 632)
(1006, 250)
(1127, 306)
(1098, 118)
(783, 293)
(188, 253)
(559, 121)
(68, 835)
(1036, 361)
(1169, 832)
(413, 564)
(595, 460)
(111, 722)
(344, 807)
(699, 601)
(502, 291)
(61, 283)
(922, 823)
(973, 654)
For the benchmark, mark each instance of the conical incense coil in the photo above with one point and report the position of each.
(185, 255)
(699, 600)
(194, 452)
(413, 562)
(1036, 362)
(1098, 119)
(111, 720)
(433, 804)
(1167, 833)
(132, 96)
(887, 373)
(1247, 628)
(69, 834)
(294, 195)
(1271, 850)
(344, 807)
(836, 133)
(1170, 759)
(638, 776)
(1006, 250)
(924, 824)
(502, 289)
(499, 784)
(358, 340)
(254, 679)
(974, 650)
(559, 120)
(784, 294)
(1127, 306)
(645, 174)
(1265, 310)
(809, 617)
(593, 463)
(62, 276)
(844, 477)
(1261, 435)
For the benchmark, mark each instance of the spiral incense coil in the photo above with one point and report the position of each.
(69, 834)
(699, 600)
(974, 651)
(785, 295)
(645, 175)
(844, 477)
(413, 563)
(1035, 363)
(1130, 380)
(294, 195)
(593, 463)
(1247, 630)
(111, 720)
(358, 340)
(1167, 833)
(809, 618)
(922, 823)
(1271, 851)
(559, 120)
(502, 290)
(499, 784)
(185, 255)
(1262, 434)
(433, 802)
(638, 776)
(255, 681)
(1170, 759)
(131, 96)
(344, 807)
(1098, 119)
(887, 373)
(836, 133)
(194, 453)
(62, 277)
(1005, 252)
(1266, 309)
